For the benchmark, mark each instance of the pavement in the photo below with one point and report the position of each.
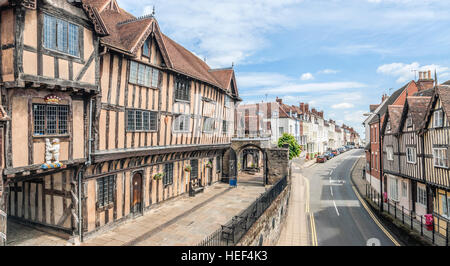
(185, 221)
(295, 231)
(22, 235)
(338, 216)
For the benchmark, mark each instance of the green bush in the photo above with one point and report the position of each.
(294, 148)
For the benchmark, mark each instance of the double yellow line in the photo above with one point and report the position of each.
(374, 218)
(311, 215)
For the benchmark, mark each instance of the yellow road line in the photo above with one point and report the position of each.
(313, 230)
(311, 216)
(375, 219)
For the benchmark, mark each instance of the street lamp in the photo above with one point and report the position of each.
(380, 153)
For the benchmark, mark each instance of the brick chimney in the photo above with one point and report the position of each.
(384, 97)
(307, 107)
(321, 114)
(302, 107)
(280, 101)
(425, 81)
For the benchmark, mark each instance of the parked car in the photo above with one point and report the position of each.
(341, 150)
(335, 152)
(321, 159)
(329, 155)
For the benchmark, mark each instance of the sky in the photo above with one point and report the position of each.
(339, 56)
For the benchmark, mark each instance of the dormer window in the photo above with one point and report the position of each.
(409, 123)
(388, 127)
(438, 118)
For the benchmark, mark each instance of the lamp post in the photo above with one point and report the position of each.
(380, 153)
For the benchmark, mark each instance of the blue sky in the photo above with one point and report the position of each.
(338, 55)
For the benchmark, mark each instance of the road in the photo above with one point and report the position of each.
(337, 217)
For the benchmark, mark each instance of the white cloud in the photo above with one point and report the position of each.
(307, 76)
(328, 71)
(342, 106)
(313, 87)
(405, 72)
(260, 79)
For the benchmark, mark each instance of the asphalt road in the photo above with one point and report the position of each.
(338, 215)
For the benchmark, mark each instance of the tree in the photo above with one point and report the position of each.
(294, 148)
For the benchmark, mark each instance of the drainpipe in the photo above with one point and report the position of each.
(90, 133)
(80, 218)
(80, 175)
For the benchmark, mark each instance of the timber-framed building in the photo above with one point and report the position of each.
(104, 115)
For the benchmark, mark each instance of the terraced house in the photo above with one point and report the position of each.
(415, 154)
(108, 116)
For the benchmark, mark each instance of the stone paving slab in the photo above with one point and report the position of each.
(295, 230)
(23, 235)
(179, 222)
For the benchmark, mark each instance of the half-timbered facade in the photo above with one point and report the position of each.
(49, 73)
(163, 119)
(402, 154)
(436, 138)
(104, 115)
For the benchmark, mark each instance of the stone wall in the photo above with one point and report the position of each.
(278, 164)
(266, 230)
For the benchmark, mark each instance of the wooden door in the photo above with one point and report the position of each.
(137, 193)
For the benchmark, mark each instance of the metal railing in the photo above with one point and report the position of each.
(437, 231)
(231, 233)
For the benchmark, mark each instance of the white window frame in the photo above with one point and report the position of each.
(440, 157)
(411, 155)
(422, 196)
(393, 189)
(404, 189)
(389, 153)
(438, 118)
(445, 211)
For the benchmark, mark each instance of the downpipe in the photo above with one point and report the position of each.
(80, 175)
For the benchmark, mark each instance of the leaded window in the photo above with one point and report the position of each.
(182, 89)
(168, 174)
(50, 119)
(61, 35)
(105, 190)
(182, 123)
(140, 120)
(208, 124)
(146, 48)
(143, 75)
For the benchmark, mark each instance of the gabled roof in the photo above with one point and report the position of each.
(127, 34)
(393, 116)
(388, 102)
(417, 107)
(442, 92)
